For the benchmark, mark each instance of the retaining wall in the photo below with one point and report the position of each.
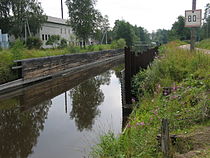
(30, 69)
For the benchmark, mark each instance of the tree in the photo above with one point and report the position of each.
(160, 36)
(17, 14)
(83, 17)
(179, 31)
(124, 30)
(205, 30)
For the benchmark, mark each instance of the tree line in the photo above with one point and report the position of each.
(18, 16)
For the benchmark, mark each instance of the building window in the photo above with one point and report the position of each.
(46, 37)
(42, 37)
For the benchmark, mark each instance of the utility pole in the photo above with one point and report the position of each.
(192, 46)
(62, 9)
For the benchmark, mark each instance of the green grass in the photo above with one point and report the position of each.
(186, 107)
(204, 44)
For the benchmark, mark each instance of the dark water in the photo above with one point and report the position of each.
(61, 118)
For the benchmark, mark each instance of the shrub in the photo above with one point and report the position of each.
(33, 43)
(117, 44)
(63, 43)
(17, 49)
(53, 41)
(6, 63)
(205, 44)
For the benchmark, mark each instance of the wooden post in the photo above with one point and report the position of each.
(192, 45)
(165, 139)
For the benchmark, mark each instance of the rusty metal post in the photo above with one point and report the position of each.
(192, 45)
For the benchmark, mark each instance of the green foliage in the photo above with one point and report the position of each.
(63, 43)
(160, 36)
(53, 41)
(33, 43)
(73, 49)
(124, 30)
(204, 44)
(178, 30)
(118, 44)
(186, 106)
(6, 63)
(15, 14)
(83, 24)
(17, 49)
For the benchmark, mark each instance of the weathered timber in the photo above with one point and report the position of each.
(165, 139)
(48, 66)
(12, 86)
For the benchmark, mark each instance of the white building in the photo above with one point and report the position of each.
(4, 43)
(56, 26)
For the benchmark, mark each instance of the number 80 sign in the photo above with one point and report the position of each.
(193, 18)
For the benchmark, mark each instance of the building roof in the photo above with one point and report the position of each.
(56, 20)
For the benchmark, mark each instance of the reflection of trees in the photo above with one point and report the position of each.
(19, 130)
(118, 70)
(86, 98)
(104, 79)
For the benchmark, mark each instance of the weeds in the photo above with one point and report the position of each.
(205, 44)
(186, 106)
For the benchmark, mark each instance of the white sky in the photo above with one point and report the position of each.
(150, 14)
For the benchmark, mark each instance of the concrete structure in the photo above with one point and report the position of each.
(56, 26)
(4, 41)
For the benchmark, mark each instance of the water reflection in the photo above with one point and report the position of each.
(85, 101)
(29, 123)
(20, 129)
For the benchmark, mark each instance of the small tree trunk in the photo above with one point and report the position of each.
(84, 44)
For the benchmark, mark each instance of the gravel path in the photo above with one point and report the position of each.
(198, 49)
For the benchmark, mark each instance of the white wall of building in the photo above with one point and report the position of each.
(55, 26)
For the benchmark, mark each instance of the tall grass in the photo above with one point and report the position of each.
(188, 105)
(205, 44)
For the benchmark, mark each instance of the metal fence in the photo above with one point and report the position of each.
(134, 61)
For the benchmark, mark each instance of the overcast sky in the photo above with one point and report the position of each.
(150, 14)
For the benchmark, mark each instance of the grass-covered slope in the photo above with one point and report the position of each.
(187, 107)
(204, 44)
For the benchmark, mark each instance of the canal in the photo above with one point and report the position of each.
(62, 117)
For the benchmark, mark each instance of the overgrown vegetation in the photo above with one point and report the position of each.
(19, 51)
(204, 44)
(187, 105)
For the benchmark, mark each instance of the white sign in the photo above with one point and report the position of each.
(193, 18)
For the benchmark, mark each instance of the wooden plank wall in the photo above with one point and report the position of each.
(40, 67)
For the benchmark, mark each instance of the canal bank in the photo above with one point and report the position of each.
(61, 117)
(175, 87)
(38, 69)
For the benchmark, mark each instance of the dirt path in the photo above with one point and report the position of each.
(199, 143)
(198, 49)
